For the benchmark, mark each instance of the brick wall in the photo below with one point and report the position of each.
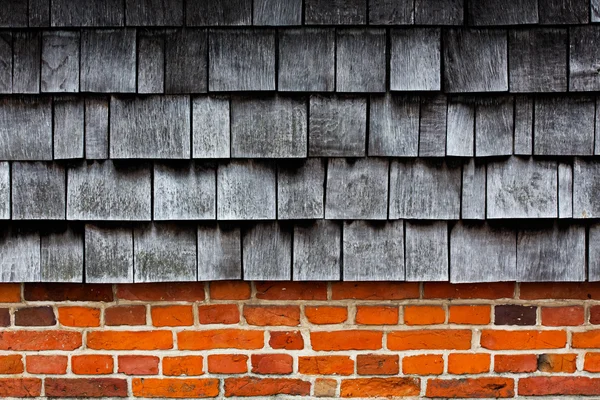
(308, 339)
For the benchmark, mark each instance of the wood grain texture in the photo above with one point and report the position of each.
(337, 126)
(522, 188)
(71, 13)
(482, 253)
(551, 254)
(300, 189)
(60, 61)
(594, 253)
(38, 191)
(109, 191)
(494, 126)
(586, 188)
(391, 12)
(565, 190)
(335, 12)
(473, 190)
(6, 62)
(426, 251)
(151, 61)
(460, 132)
(523, 125)
(538, 60)
(184, 191)
(394, 126)
(19, 255)
(439, 12)
(108, 254)
(270, 127)
(277, 12)
(306, 60)
(69, 125)
(26, 131)
(241, 60)
(373, 251)
(4, 190)
(360, 60)
(492, 12)
(564, 126)
(246, 190)
(61, 258)
(154, 12)
(584, 56)
(219, 252)
(565, 12)
(210, 127)
(108, 61)
(595, 4)
(317, 251)
(39, 13)
(267, 252)
(476, 60)
(415, 59)
(433, 125)
(597, 142)
(164, 253)
(357, 189)
(26, 62)
(96, 128)
(13, 14)
(150, 127)
(423, 189)
(185, 61)
(220, 13)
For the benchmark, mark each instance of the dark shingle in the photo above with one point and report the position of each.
(61, 258)
(391, 12)
(154, 12)
(361, 60)
(494, 126)
(221, 12)
(439, 12)
(493, 12)
(335, 12)
(185, 61)
(6, 62)
(584, 52)
(13, 14)
(151, 62)
(432, 127)
(87, 13)
(554, 12)
(277, 12)
(26, 62)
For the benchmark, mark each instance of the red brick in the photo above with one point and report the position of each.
(35, 316)
(322, 315)
(172, 316)
(374, 290)
(287, 340)
(164, 291)
(515, 363)
(476, 387)
(557, 363)
(380, 387)
(92, 364)
(276, 364)
(272, 315)
(559, 385)
(138, 365)
(562, 316)
(586, 340)
(183, 365)
(125, 315)
(220, 339)
(130, 340)
(219, 314)
(249, 386)
(174, 387)
(85, 387)
(230, 290)
(432, 339)
(81, 317)
(67, 292)
(490, 291)
(51, 365)
(227, 363)
(424, 315)
(522, 340)
(291, 290)
(10, 293)
(11, 364)
(346, 340)
(469, 315)
(20, 387)
(39, 340)
(377, 315)
(428, 364)
(377, 364)
(325, 365)
(4, 317)
(560, 290)
(467, 363)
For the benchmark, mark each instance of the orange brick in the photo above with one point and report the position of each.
(380, 387)
(471, 315)
(220, 339)
(138, 365)
(163, 291)
(376, 315)
(429, 364)
(11, 364)
(346, 340)
(489, 291)
(288, 340)
(125, 315)
(374, 290)
(85, 387)
(174, 387)
(424, 315)
(522, 340)
(322, 315)
(79, 316)
(39, 340)
(230, 290)
(10, 293)
(515, 363)
(560, 290)
(272, 315)
(586, 340)
(466, 363)
(291, 290)
(376, 364)
(219, 314)
(325, 387)
(562, 316)
(559, 385)
(557, 362)
(20, 387)
(130, 340)
(325, 365)
(172, 316)
(433, 339)
(477, 387)
(248, 386)
(50, 365)
(92, 364)
(183, 365)
(592, 362)
(276, 364)
(227, 364)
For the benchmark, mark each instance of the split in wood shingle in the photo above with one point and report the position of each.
(361, 60)
(277, 12)
(394, 126)
(108, 254)
(335, 12)
(222, 12)
(267, 252)
(433, 124)
(73, 13)
(584, 55)
(494, 12)
(473, 190)
(219, 252)
(415, 59)
(60, 61)
(300, 189)
(317, 251)
(426, 251)
(61, 254)
(154, 12)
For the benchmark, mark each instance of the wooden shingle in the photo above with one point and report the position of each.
(394, 126)
(19, 255)
(594, 253)
(460, 131)
(6, 62)
(493, 12)
(186, 61)
(277, 12)
(360, 60)
(154, 12)
(13, 14)
(218, 13)
(565, 190)
(300, 189)
(584, 52)
(26, 131)
(415, 59)
(473, 190)
(523, 125)
(439, 12)
(267, 252)
(219, 252)
(317, 251)
(39, 13)
(391, 12)
(335, 12)
(586, 188)
(433, 126)
(27, 48)
(564, 12)
(151, 61)
(96, 128)
(595, 10)
(494, 126)
(61, 255)
(87, 13)
(68, 127)
(4, 190)
(210, 127)
(108, 254)
(426, 251)
(60, 61)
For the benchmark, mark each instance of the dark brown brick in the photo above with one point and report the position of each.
(4, 317)
(68, 292)
(35, 316)
(515, 315)
(595, 315)
(125, 315)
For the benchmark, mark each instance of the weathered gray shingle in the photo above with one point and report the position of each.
(222, 12)
(584, 52)
(68, 127)
(4, 190)
(19, 255)
(564, 12)
(267, 252)
(61, 254)
(439, 12)
(432, 127)
(586, 188)
(460, 131)
(493, 12)
(38, 191)
(391, 12)
(494, 126)
(154, 12)
(39, 13)
(186, 61)
(87, 12)
(473, 190)
(317, 251)
(361, 60)
(210, 127)
(6, 62)
(277, 12)
(300, 189)
(394, 126)
(108, 254)
(96, 128)
(26, 62)
(13, 14)
(60, 61)
(415, 59)
(523, 125)
(151, 61)
(335, 12)
(219, 252)
(426, 251)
